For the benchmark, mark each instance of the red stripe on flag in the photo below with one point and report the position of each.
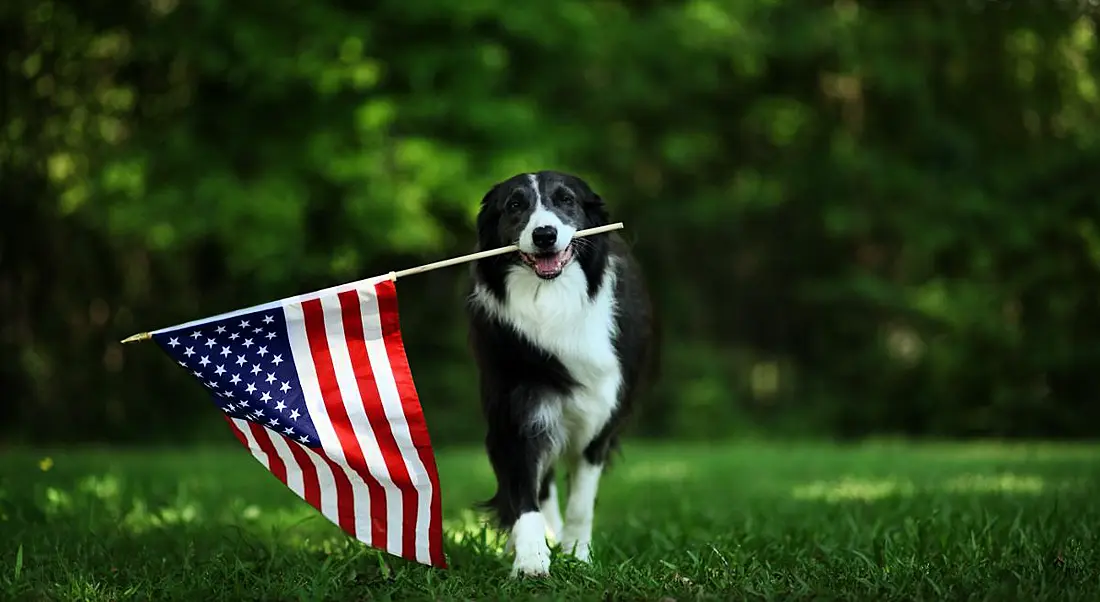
(345, 495)
(418, 428)
(274, 460)
(376, 413)
(314, 316)
(311, 483)
(236, 431)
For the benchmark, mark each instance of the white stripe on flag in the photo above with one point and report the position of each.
(275, 305)
(253, 445)
(391, 401)
(295, 472)
(327, 485)
(364, 434)
(294, 478)
(311, 389)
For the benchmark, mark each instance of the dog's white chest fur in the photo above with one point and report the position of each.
(558, 316)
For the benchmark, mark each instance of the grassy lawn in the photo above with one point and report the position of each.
(869, 522)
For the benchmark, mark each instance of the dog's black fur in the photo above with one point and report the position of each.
(516, 374)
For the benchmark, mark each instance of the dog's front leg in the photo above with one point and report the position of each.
(516, 457)
(548, 504)
(584, 482)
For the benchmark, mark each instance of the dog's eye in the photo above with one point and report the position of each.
(564, 197)
(514, 203)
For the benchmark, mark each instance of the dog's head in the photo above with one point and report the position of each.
(540, 212)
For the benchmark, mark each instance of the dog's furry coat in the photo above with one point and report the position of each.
(562, 334)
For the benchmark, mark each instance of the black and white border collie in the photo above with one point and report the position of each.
(561, 332)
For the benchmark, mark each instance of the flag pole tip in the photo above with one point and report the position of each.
(141, 336)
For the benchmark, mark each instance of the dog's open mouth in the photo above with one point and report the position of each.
(548, 265)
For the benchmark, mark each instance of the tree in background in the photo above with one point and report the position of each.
(859, 217)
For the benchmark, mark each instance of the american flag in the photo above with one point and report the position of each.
(318, 388)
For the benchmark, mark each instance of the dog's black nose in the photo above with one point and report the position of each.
(544, 237)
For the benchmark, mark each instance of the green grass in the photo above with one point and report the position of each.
(871, 522)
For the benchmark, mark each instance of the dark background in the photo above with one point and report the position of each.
(858, 218)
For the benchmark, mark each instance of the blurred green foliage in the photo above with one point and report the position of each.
(857, 216)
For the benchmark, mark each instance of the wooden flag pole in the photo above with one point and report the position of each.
(143, 336)
(490, 253)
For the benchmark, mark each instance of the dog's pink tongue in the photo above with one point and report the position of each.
(548, 265)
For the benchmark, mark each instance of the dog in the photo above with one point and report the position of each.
(562, 334)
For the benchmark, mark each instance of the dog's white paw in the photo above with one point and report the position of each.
(582, 552)
(529, 541)
(576, 545)
(534, 561)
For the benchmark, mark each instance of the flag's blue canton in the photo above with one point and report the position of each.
(246, 364)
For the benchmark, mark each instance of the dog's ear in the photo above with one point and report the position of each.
(595, 211)
(487, 199)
